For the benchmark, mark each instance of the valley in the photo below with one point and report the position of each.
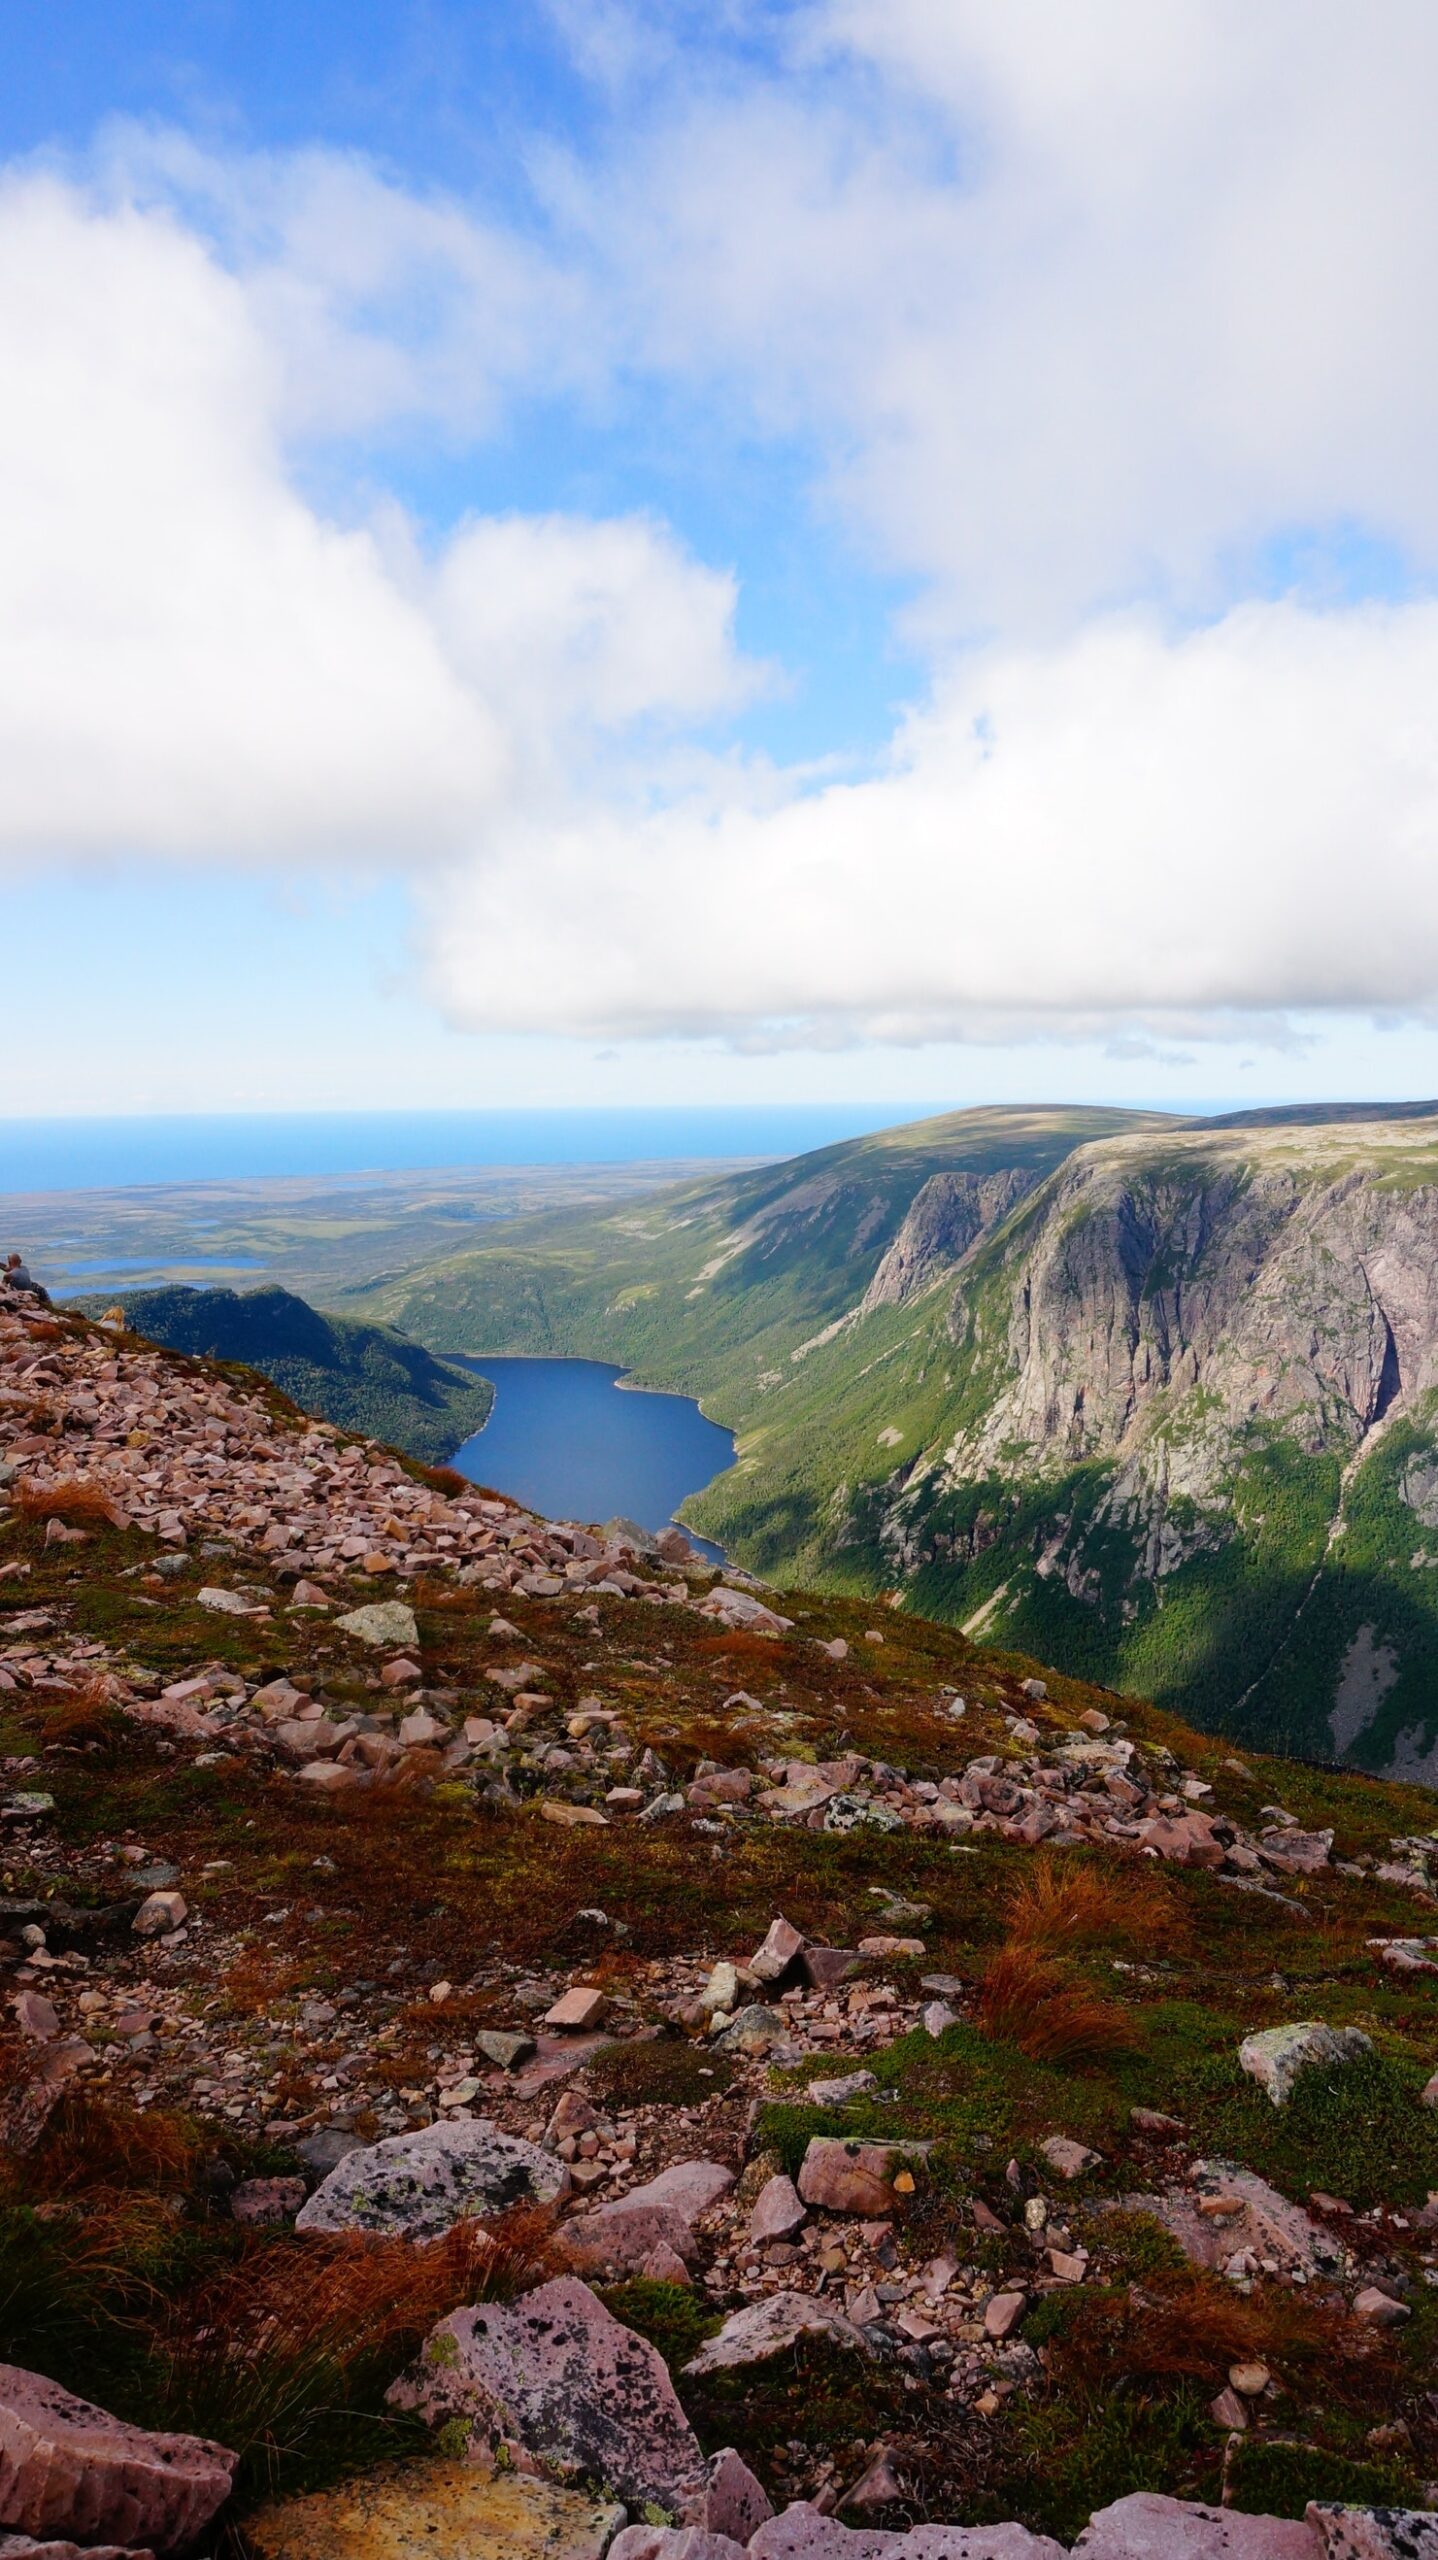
(1154, 1398)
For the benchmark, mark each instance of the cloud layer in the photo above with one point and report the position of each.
(1079, 321)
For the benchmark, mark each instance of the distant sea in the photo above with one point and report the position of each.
(99, 1155)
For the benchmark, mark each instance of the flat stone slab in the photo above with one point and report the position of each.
(1264, 2222)
(436, 2511)
(417, 2186)
(558, 2375)
(68, 2469)
(768, 2327)
(1149, 2527)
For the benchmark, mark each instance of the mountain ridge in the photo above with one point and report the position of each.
(1109, 1386)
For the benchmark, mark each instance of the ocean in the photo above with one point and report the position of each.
(98, 1154)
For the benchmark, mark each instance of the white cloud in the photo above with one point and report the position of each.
(195, 665)
(1075, 303)
(1125, 829)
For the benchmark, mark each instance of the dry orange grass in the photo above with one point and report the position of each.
(1061, 1909)
(293, 2337)
(1190, 2325)
(91, 2146)
(73, 1499)
(1034, 2002)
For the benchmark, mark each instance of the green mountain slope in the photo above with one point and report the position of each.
(366, 1377)
(1157, 1400)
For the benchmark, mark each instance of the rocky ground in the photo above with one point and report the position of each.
(498, 2013)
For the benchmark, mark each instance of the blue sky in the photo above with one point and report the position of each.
(835, 551)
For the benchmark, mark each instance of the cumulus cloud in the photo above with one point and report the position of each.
(1076, 303)
(1124, 828)
(196, 665)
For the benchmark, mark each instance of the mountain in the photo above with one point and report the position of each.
(1156, 1399)
(460, 1973)
(366, 1377)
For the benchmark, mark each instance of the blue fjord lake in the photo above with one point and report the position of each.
(567, 1438)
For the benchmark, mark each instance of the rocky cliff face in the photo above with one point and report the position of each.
(951, 1214)
(1193, 1378)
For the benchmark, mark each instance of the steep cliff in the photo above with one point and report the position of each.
(1156, 1400)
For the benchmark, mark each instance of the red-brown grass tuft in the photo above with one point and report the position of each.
(1059, 1908)
(71, 1498)
(92, 2145)
(1035, 2003)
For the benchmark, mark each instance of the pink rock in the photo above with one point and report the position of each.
(576, 2010)
(400, 1674)
(1149, 2527)
(68, 2468)
(735, 2502)
(159, 1913)
(803, 2532)
(689, 2187)
(850, 2177)
(35, 2016)
(770, 2327)
(1381, 2308)
(557, 2374)
(664, 2266)
(1188, 1839)
(671, 2542)
(781, 1945)
(975, 2542)
(617, 2238)
(23, 2546)
(264, 2203)
(1003, 2312)
(779, 2211)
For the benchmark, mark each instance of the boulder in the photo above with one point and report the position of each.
(674, 2542)
(689, 2187)
(1275, 2056)
(781, 1947)
(158, 1914)
(804, 2532)
(779, 2211)
(755, 2030)
(382, 1622)
(68, 2469)
(621, 2238)
(837, 2093)
(734, 2501)
(435, 2511)
(1069, 2159)
(854, 2176)
(770, 2327)
(418, 2185)
(556, 2374)
(1149, 2527)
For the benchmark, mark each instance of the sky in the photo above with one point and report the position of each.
(573, 551)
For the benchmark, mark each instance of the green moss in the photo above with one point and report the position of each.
(667, 2073)
(1279, 2480)
(1357, 2131)
(670, 2316)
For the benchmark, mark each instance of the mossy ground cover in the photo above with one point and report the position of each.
(316, 1893)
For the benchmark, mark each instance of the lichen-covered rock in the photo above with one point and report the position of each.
(768, 2327)
(558, 2375)
(1275, 2056)
(70, 2470)
(435, 2511)
(1374, 2533)
(854, 2177)
(418, 2185)
(382, 1622)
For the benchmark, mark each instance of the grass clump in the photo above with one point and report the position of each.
(1279, 2479)
(666, 2073)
